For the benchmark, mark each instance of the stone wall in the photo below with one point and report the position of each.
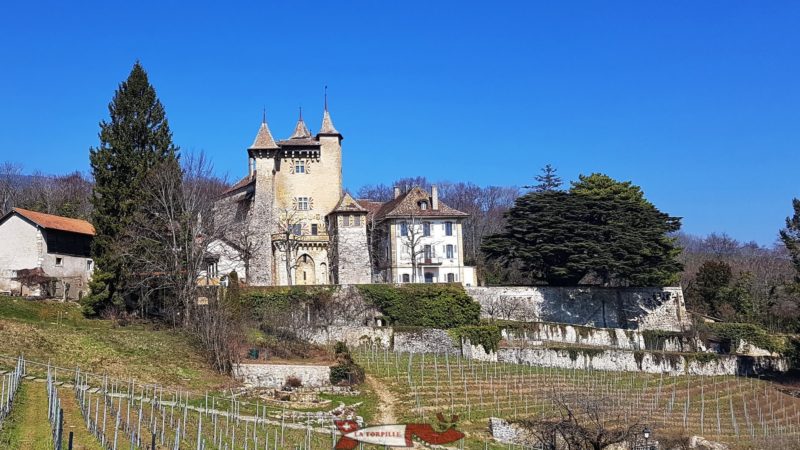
(351, 252)
(275, 375)
(353, 336)
(537, 333)
(424, 340)
(627, 308)
(650, 362)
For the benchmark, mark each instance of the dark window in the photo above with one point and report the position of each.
(448, 228)
(358, 221)
(449, 251)
(427, 251)
(297, 229)
(426, 229)
(406, 278)
(68, 243)
(451, 277)
(314, 229)
(428, 277)
(403, 229)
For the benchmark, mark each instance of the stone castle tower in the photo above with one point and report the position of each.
(287, 202)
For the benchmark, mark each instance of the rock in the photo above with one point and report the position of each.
(702, 443)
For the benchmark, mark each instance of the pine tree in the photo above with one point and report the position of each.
(610, 236)
(791, 237)
(547, 181)
(136, 138)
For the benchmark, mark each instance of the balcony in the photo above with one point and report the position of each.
(434, 261)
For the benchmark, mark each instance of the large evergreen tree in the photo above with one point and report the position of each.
(791, 237)
(136, 138)
(600, 232)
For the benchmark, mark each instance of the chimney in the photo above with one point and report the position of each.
(251, 163)
(434, 197)
(396, 191)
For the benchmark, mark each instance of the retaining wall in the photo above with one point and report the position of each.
(627, 308)
(275, 375)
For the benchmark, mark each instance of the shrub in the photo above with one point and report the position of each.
(292, 382)
(734, 333)
(346, 372)
(426, 305)
(488, 336)
(341, 348)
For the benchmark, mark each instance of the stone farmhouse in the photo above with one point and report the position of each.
(51, 252)
(289, 221)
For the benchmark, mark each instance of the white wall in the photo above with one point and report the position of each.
(438, 240)
(21, 247)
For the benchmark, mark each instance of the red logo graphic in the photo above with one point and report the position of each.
(396, 435)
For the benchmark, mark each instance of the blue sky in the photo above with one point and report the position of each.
(697, 102)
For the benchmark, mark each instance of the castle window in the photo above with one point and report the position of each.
(358, 221)
(302, 203)
(403, 229)
(299, 166)
(296, 229)
(449, 251)
(448, 228)
(426, 228)
(59, 261)
(314, 229)
(345, 221)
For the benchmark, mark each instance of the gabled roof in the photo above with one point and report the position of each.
(407, 205)
(264, 140)
(51, 222)
(348, 204)
(244, 182)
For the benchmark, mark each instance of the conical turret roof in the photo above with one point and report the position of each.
(300, 130)
(264, 140)
(327, 125)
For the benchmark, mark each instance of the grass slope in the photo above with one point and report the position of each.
(27, 428)
(57, 332)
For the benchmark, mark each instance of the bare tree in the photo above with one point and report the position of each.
(288, 238)
(413, 241)
(10, 176)
(583, 423)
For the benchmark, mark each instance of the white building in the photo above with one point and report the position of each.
(418, 239)
(52, 253)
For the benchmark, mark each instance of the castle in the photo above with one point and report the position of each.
(289, 222)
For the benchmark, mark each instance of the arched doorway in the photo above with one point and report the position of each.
(305, 272)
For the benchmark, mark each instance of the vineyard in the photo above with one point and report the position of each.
(97, 412)
(742, 412)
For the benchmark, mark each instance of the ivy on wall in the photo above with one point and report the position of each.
(488, 336)
(425, 305)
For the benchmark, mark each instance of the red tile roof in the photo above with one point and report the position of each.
(52, 222)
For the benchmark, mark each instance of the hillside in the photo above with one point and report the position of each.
(57, 332)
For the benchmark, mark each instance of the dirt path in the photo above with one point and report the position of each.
(387, 401)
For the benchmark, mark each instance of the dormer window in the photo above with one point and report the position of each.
(423, 205)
